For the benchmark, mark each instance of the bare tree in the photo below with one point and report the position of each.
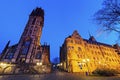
(108, 17)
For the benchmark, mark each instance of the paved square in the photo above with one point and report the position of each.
(56, 76)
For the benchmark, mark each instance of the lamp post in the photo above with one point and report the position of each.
(39, 63)
(3, 64)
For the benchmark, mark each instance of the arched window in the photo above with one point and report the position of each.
(34, 21)
(25, 47)
(79, 48)
(9, 55)
(27, 43)
(24, 50)
(38, 55)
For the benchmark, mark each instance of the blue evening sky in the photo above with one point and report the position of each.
(62, 17)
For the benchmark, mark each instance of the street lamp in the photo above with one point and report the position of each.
(3, 64)
(61, 64)
(39, 63)
(87, 60)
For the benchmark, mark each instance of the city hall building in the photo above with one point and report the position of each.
(28, 55)
(86, 55)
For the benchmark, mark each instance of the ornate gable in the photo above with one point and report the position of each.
(76, 35)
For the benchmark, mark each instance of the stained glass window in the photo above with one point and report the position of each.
(25, 47)
(9, 55)
(38, 55)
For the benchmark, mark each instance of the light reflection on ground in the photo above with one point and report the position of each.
(56, 75)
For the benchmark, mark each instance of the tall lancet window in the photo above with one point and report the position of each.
(9, 55)
(38, 55)
(33, 22)
(25, 47)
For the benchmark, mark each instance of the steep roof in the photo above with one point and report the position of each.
(91, 40)
(76, 34)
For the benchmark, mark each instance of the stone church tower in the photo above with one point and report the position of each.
(30, 39)
(29, 50)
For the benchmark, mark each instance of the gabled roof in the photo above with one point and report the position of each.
(76, 35)
(98, 43)
(91, 40)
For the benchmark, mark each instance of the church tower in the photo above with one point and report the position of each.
(30, 39)
(28, 55)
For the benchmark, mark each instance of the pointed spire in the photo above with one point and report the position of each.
(89, 34)
(6, 47)
(92, 38)
(8, 43)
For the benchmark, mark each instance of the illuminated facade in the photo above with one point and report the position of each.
(82, 55)
(29, 51)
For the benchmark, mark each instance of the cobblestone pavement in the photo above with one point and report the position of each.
(56, 76)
